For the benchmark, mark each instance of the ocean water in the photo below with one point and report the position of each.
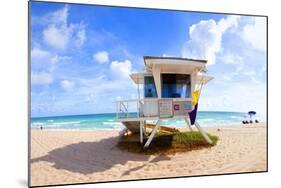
(107, 121)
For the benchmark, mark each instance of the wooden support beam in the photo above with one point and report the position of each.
(152, 134)
(188, 124)
(144, 128)
(204, 134)
(141, 131)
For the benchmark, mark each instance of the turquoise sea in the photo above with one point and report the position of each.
(107, 121)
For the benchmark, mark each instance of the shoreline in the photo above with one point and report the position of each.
(101, 130)
(59, 157)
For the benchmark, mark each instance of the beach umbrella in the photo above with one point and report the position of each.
(251, 113)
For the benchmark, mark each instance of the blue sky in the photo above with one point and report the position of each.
(81, 56)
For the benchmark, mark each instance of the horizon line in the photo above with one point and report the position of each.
(115, 113)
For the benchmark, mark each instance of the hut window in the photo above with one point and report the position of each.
(149, 87)
(176, 86)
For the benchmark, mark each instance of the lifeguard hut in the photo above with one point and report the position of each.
(171, 89)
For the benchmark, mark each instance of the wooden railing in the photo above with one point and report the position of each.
(143, 108)
(132, 108)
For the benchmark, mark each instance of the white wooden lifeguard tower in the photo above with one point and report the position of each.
(168, 86)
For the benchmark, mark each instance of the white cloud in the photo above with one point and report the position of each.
(57, 59)
(230, 58)
(38, 53)
(255, 33)
(67, 85)
(240, 97)
(41, 78)
(227, 77)
(228, 23)
(115, 83)
(48, 62)
(205, 38)
(59, 17)
(59, 33)
(121, 69)
(81, 36)
(249, 73)
(238, 71)
(91, 98)
(101, 57)
(56, 36)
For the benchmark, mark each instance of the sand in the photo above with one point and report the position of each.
(67, 157)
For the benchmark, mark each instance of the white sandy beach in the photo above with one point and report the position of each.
(67, 157)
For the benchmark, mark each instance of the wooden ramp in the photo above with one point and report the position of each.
(133, 126)
(162, 128)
